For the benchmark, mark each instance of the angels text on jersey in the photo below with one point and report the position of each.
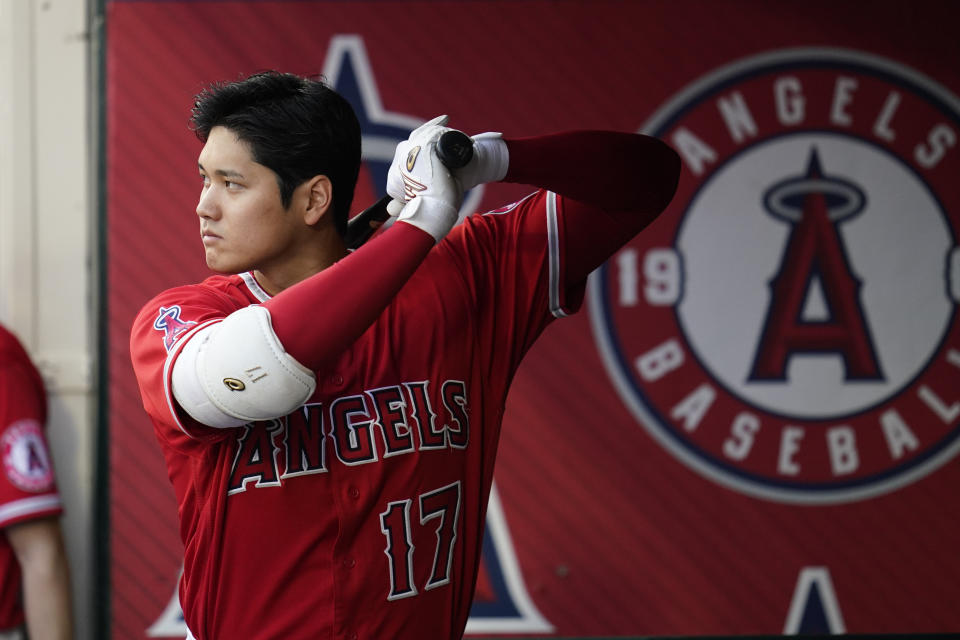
(352, 430)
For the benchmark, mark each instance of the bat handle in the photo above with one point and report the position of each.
(455, 149)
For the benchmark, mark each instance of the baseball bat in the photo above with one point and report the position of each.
(455, 150)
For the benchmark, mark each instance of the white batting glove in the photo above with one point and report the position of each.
(419, 179)
(419, 137)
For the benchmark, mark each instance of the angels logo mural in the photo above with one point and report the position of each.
(789, 328)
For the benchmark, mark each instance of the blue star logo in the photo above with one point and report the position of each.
(347, 69)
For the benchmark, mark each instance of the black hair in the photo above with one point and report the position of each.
(297, 127)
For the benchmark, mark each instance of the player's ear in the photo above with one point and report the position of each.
(319, 198)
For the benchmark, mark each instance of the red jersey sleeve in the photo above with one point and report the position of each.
(528, 262)
(28, 489)
(512, 260)
(160, 331)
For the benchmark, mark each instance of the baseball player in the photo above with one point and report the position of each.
(330, 419)
(34, 576)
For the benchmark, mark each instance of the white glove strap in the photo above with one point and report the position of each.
(433, 215)
(490, 162)
(236, 371)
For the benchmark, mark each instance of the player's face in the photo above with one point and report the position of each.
(243, 224)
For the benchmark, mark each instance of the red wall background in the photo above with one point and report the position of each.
(612, 533)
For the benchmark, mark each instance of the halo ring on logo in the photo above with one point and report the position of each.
(618, 367)
(778, 198)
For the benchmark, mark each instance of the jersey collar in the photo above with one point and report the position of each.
(254, 286)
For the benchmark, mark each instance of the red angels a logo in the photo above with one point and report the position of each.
(26, 461)
(788, 328)
(168, 321)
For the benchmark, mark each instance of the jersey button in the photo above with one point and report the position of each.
(354, 636)
(336, 378)
(354, 493)
(349, 563)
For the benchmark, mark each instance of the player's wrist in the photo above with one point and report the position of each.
(491, 159)
(432, 215)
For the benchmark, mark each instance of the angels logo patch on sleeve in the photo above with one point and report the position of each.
(26, 461)
(789, 328)
(168, 321)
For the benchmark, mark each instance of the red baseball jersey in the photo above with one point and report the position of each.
(360, 515)
(27, 488)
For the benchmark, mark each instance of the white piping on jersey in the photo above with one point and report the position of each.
(26, 506)
(510, 207)
(254, 286)
(553, 252)
(168, 363)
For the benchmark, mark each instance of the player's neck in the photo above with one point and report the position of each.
(275, 278)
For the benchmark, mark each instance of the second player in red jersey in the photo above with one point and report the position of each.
(34, 573)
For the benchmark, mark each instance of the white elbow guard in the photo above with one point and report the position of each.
(236, 371)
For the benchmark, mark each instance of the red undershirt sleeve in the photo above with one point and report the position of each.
(316, 319)
(614, 184)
